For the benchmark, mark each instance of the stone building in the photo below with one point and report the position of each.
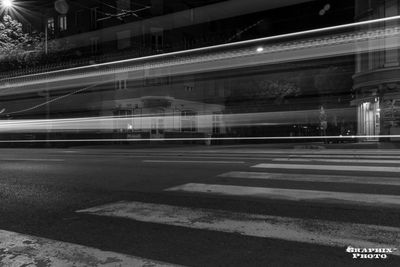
(377, 77)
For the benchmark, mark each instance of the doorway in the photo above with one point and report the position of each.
(369, 120)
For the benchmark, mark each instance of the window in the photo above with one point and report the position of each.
(188, 121)
(120, 84)
(216, 123)
(157, 81)
(50, 25)
(93, 18)
(124, 39)
(156, 42)
(79, 18)
(188, 88)
(188, 41)
(157, 37)
(62, 20)
(94, 44)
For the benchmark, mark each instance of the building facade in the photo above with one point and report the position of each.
(376, 81)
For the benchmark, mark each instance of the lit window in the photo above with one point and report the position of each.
(50, 25)
(63, 23)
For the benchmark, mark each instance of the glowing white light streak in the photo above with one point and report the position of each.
(334, 46)
(144, 121)
(280, 138)
(216, 47)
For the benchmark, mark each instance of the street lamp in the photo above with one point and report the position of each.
(7, 3)
(6, 6)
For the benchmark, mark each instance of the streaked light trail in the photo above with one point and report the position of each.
(266, 138)
(232, 45)
(171, 121)
(360, 40)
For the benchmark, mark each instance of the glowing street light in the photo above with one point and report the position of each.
(7, 3)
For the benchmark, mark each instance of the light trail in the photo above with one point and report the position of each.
(300, 50)
(171, 122)
(230, 45)
(171, 57)
(111, 123)
(266, 138)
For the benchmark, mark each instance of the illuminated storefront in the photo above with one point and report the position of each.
(369, 119)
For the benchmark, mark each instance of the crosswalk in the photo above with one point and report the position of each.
(291, 229)
(365, 170)
(292, 194)
(331, 233)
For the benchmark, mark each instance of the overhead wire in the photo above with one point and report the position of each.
(50, 101)
(124, 12)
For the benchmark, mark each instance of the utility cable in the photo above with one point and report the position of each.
(50, 101)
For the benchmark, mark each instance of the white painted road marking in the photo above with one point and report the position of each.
(22, 159)
(193, 161)
(327, 167)
(312, 231)
(185, 157)
(292, 194)
(69, 151)
(259, 150)
(345, 156)
(25, 250)
(313, 178)
(285, 152)
(338, 160)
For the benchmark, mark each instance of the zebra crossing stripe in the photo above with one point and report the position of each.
(24, 250)
(292, 194)
(345, 156)
(313, 178)
(328, 167)
(340, 234)
(193, 161)
(317, 152)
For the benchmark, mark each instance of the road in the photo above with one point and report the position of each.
(198, 207)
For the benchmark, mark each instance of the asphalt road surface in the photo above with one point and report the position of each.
(199, 207)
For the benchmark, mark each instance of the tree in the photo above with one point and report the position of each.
(278, 89)
(17, 47)
(261, 93)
